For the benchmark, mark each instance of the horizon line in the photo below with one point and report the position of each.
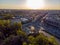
(28, 9)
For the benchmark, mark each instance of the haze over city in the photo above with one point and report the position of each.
(30, 4)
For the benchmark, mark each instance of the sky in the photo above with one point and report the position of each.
(22, 4)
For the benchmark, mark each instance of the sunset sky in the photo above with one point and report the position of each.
(30, 4)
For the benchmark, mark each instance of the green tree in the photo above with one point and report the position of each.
(52, 41)
(32, 40)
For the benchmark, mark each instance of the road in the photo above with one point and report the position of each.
(38, 23)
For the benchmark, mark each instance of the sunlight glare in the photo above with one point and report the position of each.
(35, 4)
